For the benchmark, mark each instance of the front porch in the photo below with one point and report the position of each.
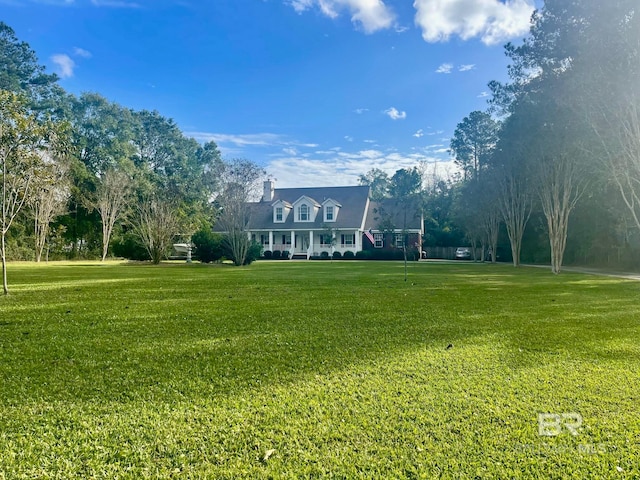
(305, 244)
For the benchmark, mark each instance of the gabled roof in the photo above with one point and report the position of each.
(308, 200)
(283, 203)
(391, 212)
(353, 201)
(331, 200)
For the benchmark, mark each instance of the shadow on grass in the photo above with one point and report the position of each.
(153, 333)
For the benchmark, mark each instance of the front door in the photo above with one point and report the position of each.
(302, 244)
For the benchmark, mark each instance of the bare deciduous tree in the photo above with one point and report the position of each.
(240, 184)
(111, 201)
(50, 195)
(560, 184)
(515, 203)
(618, 132)
(156, 224)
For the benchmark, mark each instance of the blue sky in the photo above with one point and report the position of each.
(315, 91)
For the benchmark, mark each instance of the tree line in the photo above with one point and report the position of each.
(550, 170)
(552, 167)
(84, 177)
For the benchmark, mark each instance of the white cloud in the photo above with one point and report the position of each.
(483, 94)
(371, 15)
(394, 114)
(237, 144)
(419, 133)
(242, 140)
(290, 151)
(466, 68)
(348, 138)
(114, 3)
(342, 168)
(360, 111)
(65, 65)
(445, 68)
(493, 21)
(81, 52)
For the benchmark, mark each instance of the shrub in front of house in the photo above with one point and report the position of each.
(337, 255)
(268, 254)
(285, 255)
(208, 245)
(253, 253)
(363, 255)
(324, 255)
(276, 254)
(349, 255)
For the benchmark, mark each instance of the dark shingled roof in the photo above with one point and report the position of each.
(353, 201)
(393, 211)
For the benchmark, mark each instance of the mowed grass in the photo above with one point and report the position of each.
(316, 369)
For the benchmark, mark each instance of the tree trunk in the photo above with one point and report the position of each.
(106, 236)
(559, 190)
(3, 249)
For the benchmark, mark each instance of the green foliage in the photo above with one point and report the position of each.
(253, 253)
(473, 142)
(129, 246)
(349, 255)
(268, 254)
(197, 371)
(324, 255)
(337, 255)
(19, 68)
(209, 245)
(379, 182)
(277, 254)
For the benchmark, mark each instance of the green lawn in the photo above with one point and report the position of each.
(341, 368)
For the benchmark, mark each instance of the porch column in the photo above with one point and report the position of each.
(358, 240)
(271, 240)
(293, 243)
(310, 250)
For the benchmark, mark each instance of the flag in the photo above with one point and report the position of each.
(369, 235)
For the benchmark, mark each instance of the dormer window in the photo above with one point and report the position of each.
(305, 209)
(329, 213)
(281, 211)
(331, 208)
(303, 213)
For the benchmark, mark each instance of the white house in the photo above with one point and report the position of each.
(302, 221)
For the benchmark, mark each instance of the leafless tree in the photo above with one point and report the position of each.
(618, 134)
(240, 184)
(515, 201)
(513, 183)
(156, 223)
(111, 201)
(50, 195)
(491, 221)
(561, 182)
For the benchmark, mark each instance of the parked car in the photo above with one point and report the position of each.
(463, 253)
